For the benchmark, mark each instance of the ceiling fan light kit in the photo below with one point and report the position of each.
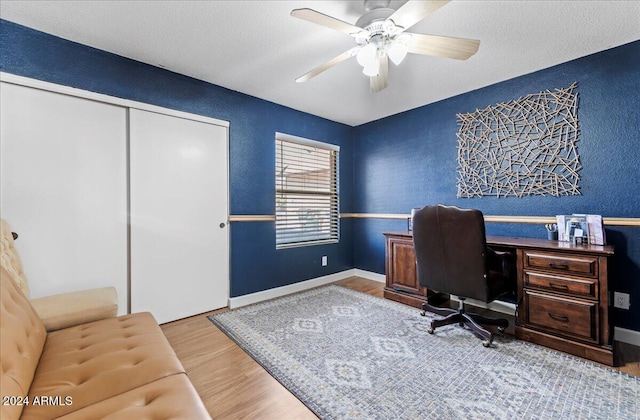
(372, 68)
(379, 34)
(378, 45)
(398, 49)
(367, 55)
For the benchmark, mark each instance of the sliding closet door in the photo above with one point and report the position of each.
(179, 237)
(63, 189)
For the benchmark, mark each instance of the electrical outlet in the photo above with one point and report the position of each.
(621, 300)
(324, 260)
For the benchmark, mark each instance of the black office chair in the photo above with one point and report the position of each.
(452, 257)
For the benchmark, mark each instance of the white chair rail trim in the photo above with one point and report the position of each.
(608, 221)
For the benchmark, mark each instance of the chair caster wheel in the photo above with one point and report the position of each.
(423, 313)
(486, 343)
(501, 329)
(430, 330)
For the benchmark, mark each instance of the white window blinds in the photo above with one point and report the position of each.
(306, 192)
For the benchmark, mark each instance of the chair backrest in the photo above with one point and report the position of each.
(22, 340)
(450, 246)
(9, 258)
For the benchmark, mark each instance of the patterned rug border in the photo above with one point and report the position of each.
(308, 400)
(273, 370)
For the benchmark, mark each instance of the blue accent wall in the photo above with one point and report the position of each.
(386, 166)
(409, 160)
(255, 263)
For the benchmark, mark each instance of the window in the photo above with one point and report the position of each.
(306, 192)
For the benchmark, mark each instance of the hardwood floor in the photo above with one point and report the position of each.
(233, 386)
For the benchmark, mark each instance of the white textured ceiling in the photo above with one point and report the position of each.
(257, 48)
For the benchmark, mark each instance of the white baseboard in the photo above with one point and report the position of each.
(236, 302)
(626, 336)
(370, 275)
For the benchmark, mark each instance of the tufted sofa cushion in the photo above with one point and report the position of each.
(99, 360)
(22, 338)
(172, 397)
(9, 258)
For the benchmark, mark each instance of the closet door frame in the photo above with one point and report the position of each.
(98, 97)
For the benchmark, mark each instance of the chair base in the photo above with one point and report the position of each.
(462, 318)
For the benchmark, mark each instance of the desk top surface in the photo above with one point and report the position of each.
(531, 243)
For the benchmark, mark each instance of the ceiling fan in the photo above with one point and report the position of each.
(380, 35)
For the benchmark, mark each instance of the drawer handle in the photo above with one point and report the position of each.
(559, 266)
(560, 318)
(558, 286)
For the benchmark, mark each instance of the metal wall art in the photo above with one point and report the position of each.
(521, 147)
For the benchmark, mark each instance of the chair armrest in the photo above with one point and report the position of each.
(75, 308)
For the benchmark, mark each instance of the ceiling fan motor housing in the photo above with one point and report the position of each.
(370, 5)
(374, 18)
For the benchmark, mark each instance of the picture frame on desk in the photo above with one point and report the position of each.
(597, 235)
(561, 221)
(577, 229)
(589, 227)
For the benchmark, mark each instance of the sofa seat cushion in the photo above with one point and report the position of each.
(93, 362)
(70, 309)
(172, 397)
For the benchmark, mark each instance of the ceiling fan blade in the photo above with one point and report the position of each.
(379, 82)
(443, 46)
(339, 59)
(327, 21)
(413, 12)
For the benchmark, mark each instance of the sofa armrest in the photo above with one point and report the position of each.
(75, 308)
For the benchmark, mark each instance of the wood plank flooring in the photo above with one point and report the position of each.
(233, 386)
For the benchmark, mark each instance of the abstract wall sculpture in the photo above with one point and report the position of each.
(521, 147)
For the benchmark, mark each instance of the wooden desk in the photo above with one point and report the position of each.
(562, 291)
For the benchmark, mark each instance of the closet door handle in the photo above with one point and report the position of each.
(222, 225)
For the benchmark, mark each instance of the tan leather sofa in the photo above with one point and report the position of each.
(115, 368)
(61, 310)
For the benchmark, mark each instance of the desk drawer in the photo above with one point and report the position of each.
(569, 317)
(579, 287)
(562, 263)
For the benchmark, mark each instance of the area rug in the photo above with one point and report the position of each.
(349, 355)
